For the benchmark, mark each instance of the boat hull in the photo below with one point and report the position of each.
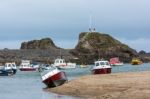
(101, 71)
(27, 69)
(66, 67)
(136, 63)
(117, 64)
(6, 72)
(56, 80)
(14, 71)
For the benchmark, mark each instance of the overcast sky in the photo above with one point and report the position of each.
(63, 20)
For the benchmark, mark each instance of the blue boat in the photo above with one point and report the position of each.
(14, 67)
(4, 72)
(8, 69)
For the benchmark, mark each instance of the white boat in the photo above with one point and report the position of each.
(26, 66)
(61, 64)
(53, 77)
(43, 67)
(101, 67)
(8, 69)
(11, 65)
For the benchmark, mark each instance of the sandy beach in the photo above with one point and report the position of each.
(133, 85)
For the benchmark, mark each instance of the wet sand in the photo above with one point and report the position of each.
(133, 85)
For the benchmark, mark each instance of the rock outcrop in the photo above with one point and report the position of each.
(145, 57)
(43, 50)
(92, 46)
(45, 43)
(37, 55)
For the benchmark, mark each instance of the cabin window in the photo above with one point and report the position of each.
(57, 61)
(102, 63)
(9, 65)
(47, 65)
(107, 63)
(97, 64)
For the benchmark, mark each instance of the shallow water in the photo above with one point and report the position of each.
(73, 73)
(28, 85)
(131, 68)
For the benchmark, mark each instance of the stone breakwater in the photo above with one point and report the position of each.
(109, 86)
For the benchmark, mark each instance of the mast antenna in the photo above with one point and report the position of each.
(91, 28)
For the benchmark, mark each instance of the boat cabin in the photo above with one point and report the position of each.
(102, 63)
(10, 65)
(101, 67)
(60, 62)
(25, 63)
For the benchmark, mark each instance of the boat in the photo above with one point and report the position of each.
(11, 65)
(115, 61)
(101, 67)
(83, 66)
(44, 67)
(4, 72)
(53, 77)
(61, 64)
(26, 66)
(8, 69)
(136, 61)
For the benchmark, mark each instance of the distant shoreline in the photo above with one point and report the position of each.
(131, 85)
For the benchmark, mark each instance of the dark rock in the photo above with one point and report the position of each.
(145, 57)
(45, 43)
(92, 46)
(43, 50)
(142, 52)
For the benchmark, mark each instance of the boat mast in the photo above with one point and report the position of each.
(91, 28)
(90, 23)
(60, 53)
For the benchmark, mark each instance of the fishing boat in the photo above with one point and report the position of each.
(8, 69)
(53, 77)
(26, 66)
(101, 67)
(136, 61)
(115, 61)
(11, 65)
(61, 64)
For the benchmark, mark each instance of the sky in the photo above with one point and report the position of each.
(63, 21)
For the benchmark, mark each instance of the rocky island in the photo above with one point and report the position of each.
(90, 47)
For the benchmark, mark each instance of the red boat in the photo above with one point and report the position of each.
(53, 77)
(26, 66)
(115, 61)
(101, 67)
(27, 69)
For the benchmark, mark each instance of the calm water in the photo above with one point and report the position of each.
(125, 68)
(28, 85)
